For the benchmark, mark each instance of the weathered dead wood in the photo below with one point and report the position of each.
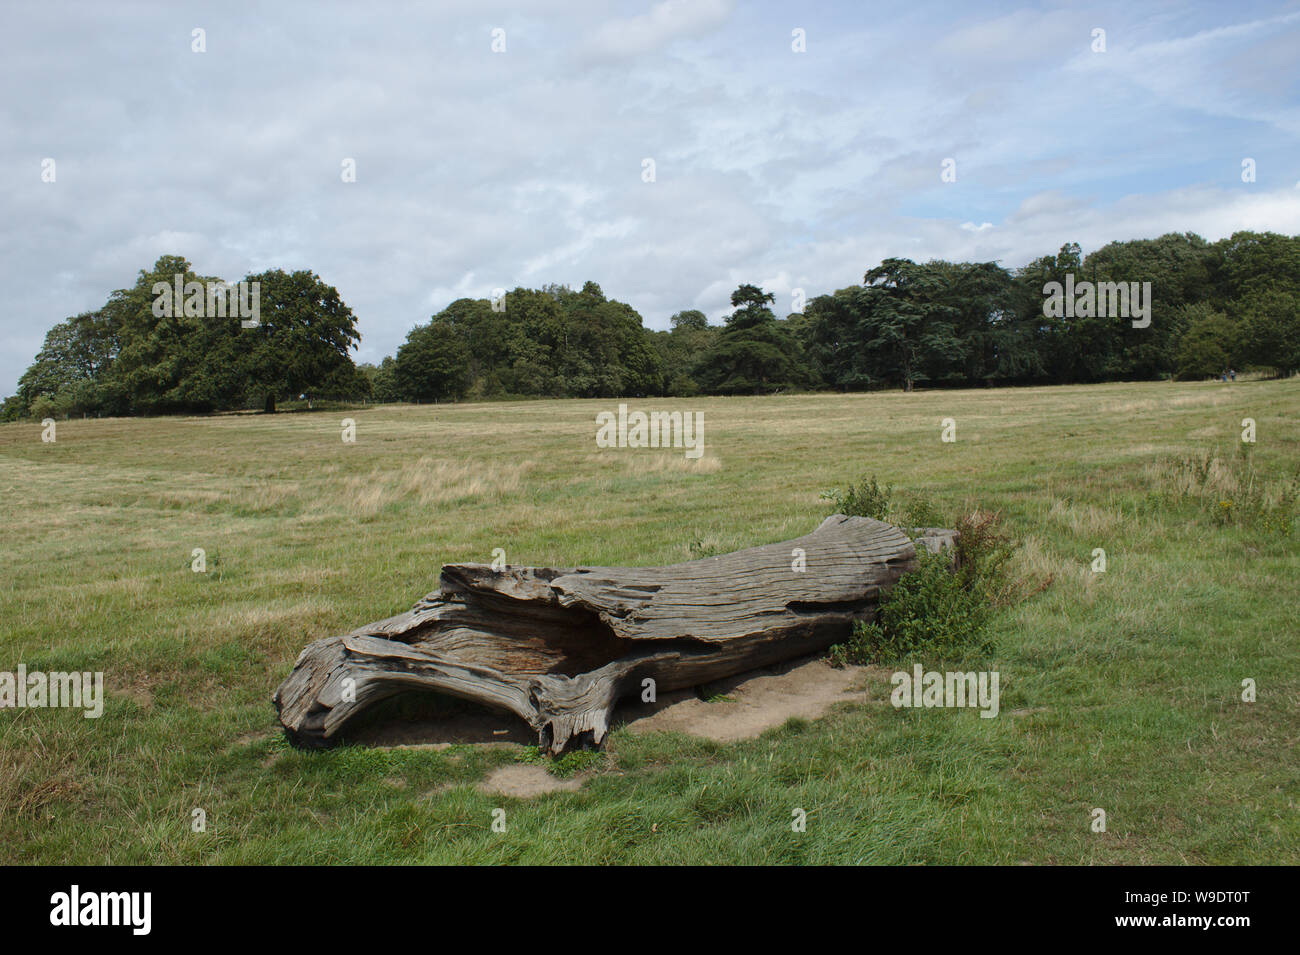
(559, 647)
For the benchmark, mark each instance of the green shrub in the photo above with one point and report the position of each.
(46, 407)
(932, 609)
(864, 499)
(942, 607)
(919, 511)
(983, 552)
(868, 499)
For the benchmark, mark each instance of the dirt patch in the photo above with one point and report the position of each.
(746, 705)
(483, 728)
(749, 703)
(140, 693)
(525, 780)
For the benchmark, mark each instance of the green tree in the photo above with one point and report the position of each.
(383, 379)
(302, 341)
(751, 307)
(1178, 268)
(172, 353)
(990, 341)
(908, 324)
(836, 343)
(1259, 278)
(1269, 323)
(72, 363)
(680, 351)
(1208, 345)
(432, 365)
(754, 353)
(688, 320)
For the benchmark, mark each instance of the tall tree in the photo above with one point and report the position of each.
(1259, 276)
(433, 365)
(909, 323)
(1208, 346)
(754, 354)
(71, 367)
(304, 337)
(169, 348)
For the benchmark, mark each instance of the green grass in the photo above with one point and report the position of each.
(1119, 690)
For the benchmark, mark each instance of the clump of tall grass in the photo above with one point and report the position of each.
(1230, 491)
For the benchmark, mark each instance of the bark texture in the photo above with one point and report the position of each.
(558, 648)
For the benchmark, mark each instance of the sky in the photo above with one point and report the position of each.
(479, 168)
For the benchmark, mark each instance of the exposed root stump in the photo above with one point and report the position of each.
(559, 647)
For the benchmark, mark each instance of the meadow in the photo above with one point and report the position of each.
(1121, 689)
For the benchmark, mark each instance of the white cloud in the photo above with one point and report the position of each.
(666, 21)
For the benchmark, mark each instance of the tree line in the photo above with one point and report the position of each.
(1230, 304)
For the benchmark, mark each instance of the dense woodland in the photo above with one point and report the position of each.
(1234, 303)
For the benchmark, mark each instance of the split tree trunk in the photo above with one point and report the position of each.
(558, 648)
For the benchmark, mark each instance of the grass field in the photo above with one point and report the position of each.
(1120, 690)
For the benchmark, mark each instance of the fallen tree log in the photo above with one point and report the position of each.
(558, 648)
